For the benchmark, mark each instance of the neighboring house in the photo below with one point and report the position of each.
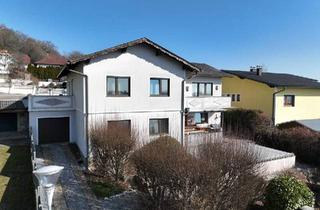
(138, 85)
(13, 113)
(6, 60)
(51, 60)
(203, 99)
(23, 60)
(283, 97)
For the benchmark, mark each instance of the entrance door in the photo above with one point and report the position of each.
(53, 130)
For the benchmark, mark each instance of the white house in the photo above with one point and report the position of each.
(5, 60)
(139, 85)
(204, 101)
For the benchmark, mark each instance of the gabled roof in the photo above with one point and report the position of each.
(210, 71)
(160, 50)
(52, 59)
(277, 79)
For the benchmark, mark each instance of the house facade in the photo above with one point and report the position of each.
(138, 85)
(204, 101)
(283, 97)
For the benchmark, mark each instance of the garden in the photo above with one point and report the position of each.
(213, 176)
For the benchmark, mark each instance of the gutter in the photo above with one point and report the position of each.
(182, 112)
(274, 104)
(86, 113)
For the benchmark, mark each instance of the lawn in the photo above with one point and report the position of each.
(16, 183)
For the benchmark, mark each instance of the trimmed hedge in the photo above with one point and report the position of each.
(288, 193)
(44, 73)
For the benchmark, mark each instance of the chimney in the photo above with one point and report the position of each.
(259, 70)
(256, 69)
(252, 69)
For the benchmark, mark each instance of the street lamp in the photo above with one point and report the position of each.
(47, 177)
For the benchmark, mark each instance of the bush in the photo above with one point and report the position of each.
(219, 176)
(229, 176)
(304, 143)
(287, 193)
(244, 123)
(43, 73)
(165, 172)
(110, 149)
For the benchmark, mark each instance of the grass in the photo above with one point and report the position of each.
(105, 189)
(16, 182)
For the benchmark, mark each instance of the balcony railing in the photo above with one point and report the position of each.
(211, 103)
(39, 103)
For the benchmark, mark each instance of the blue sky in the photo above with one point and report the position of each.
(284, 35)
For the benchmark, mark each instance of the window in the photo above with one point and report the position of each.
(217, 87)
(238, 97)
(158, 126)
(118, 86)
(187, 88)
(289, 100)
(200, 117)
(159, 87)
(233, 97)
(201, 89)
(123, 125)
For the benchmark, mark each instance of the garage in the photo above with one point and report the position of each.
(53, 130)
(8, 122)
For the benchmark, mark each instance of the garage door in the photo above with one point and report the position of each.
(8, 122)
(53, 130)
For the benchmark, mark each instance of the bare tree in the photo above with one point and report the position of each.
(74, 55)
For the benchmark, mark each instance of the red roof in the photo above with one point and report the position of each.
(52, 59)
(23, 58)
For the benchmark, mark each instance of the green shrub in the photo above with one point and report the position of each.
(105, 189)
(287, 193)
(43, 73)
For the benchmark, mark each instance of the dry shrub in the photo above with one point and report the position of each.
(229, 176)
(219, 176)
(111, 147)
(244, 122)
(301, 141)
(164, 172)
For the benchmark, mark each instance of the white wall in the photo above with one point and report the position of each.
(140, 63)
(140, 122)
(78, 87)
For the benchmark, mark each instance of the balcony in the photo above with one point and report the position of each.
(50, 103)
(211, 103)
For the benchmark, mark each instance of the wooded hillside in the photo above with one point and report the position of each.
(17, 42)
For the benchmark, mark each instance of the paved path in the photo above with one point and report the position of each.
(72, 191)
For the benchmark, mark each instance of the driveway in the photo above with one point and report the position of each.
(72, 191)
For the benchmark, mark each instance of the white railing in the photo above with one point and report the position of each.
(47, 103)
(211, 103)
